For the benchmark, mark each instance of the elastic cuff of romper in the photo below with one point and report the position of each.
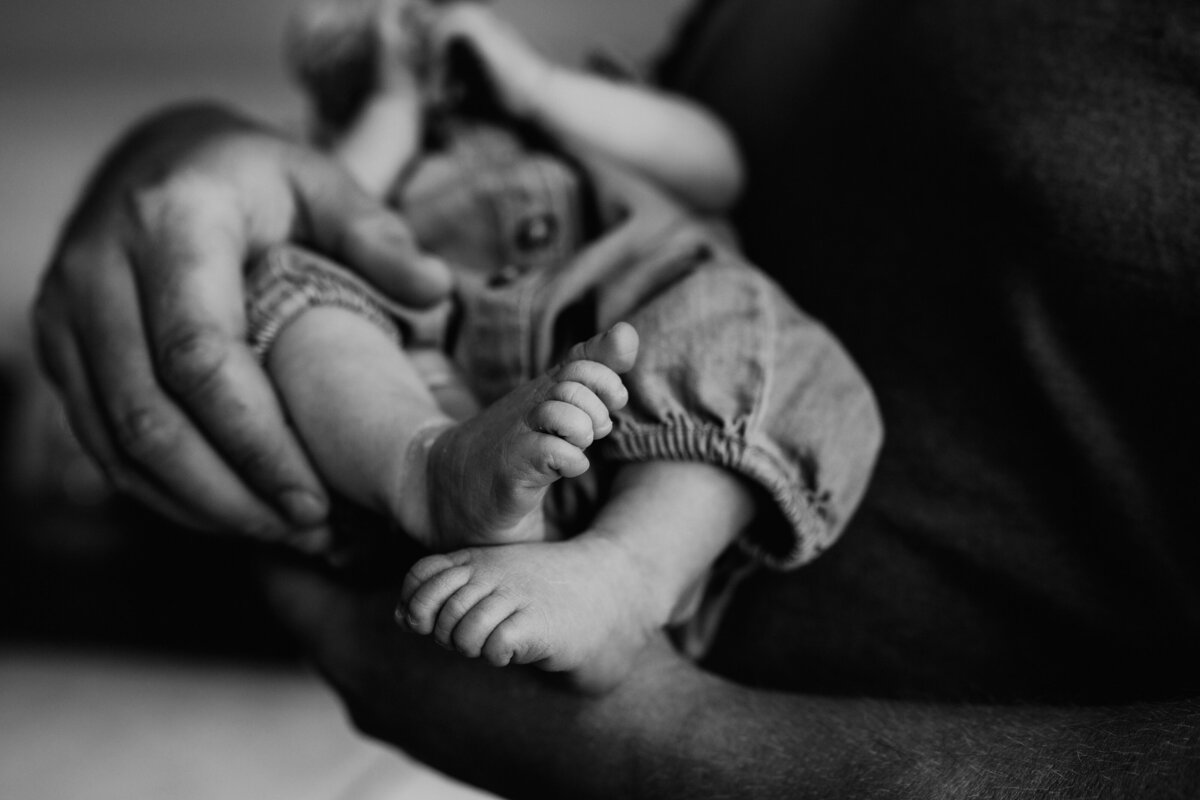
(808, 513)
(287, 280)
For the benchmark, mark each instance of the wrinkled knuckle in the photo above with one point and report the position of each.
(191, 359)
(160, 199)
(146, 203)
(143, 433)
(73, 259)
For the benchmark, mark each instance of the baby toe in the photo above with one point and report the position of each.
(423, 607)
(615, 348)
(587, 401)
(455, 609)
(566, 421)
(514, 641)
(478, 624)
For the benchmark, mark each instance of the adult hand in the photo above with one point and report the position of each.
(140, 317)
(515, 731)
(672, 730)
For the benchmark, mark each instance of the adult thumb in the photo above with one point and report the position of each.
(346, 224)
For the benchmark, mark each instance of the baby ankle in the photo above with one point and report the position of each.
(410, 502)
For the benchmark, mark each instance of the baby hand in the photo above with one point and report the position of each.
(517, 71)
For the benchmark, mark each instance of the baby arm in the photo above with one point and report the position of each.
(382, 137)
(668, 139)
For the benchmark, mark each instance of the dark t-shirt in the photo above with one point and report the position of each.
(994, 204)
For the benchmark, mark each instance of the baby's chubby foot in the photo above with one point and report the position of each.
(580, 606)
(486, 477)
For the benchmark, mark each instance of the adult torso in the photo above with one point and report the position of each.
(990, 202)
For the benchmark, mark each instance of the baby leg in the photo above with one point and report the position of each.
(378, 435)
(361, 408)
(587, 605)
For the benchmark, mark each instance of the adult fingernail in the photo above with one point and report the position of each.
(303, 508)
(313, 541)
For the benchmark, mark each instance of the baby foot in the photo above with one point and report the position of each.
(581, 606)
(486, 476)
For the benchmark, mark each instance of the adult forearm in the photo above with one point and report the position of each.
(674, 731)
(711, 739)
(751, 744)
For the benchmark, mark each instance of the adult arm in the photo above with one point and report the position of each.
(673, 730)
(139, 320)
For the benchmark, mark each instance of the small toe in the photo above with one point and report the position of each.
(615, 348)
(605, 383)
(422, 571)
(477, 625)
(514, 641)
(587, 401)
(563, 420)
(426, 602)
(456, 609)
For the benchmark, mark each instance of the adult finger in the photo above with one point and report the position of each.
(58, 353)
(349, 226)
(151, 434)
(189, 262)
